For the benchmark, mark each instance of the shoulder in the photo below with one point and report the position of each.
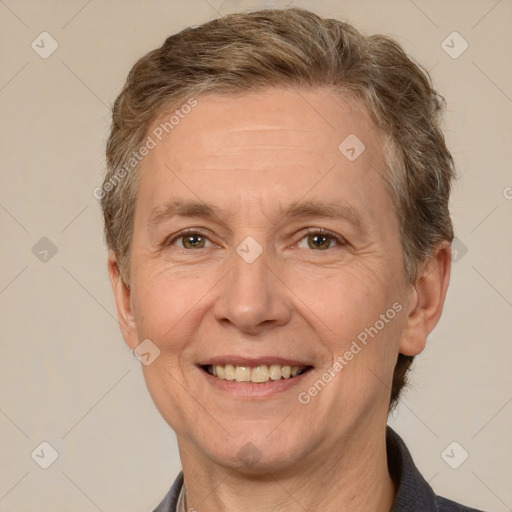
(446, 505)
(413, 491)
(170, 501)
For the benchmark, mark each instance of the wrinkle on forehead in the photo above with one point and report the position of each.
(272, 130)
(269, 139)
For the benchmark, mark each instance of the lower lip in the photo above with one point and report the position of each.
(252, 390)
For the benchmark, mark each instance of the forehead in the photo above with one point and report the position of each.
(270, 146)
(311, 121)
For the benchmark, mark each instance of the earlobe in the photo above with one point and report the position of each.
(426, 301)
(122, 297)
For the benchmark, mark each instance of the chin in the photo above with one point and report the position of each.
(258, 455)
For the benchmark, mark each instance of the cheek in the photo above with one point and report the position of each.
(349, 299)
(163, 300)
(363, 359)
(360, 313)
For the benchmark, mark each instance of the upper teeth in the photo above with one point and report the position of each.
(260, 373)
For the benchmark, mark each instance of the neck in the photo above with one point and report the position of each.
(352, 477)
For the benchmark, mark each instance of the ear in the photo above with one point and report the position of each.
(426, 301)
(122, 297)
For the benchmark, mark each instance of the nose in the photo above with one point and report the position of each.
(253, 296)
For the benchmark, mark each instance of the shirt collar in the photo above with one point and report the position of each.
(412, 489)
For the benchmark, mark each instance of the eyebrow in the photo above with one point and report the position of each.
(184, 208)
(339, 209)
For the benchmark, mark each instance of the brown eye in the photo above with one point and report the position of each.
(193, 241)
(321, 240)
(188, 240)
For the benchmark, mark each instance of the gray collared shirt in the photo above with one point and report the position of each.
(414, 494)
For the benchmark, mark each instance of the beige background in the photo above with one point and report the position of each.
(67, 377)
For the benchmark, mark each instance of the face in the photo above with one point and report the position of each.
(258, 242)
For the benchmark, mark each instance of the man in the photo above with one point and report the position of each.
(276, 209)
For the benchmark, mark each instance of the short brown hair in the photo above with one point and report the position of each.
(293, 47)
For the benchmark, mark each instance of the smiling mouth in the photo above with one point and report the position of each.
(255, 374)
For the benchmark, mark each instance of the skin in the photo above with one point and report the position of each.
(254, 155)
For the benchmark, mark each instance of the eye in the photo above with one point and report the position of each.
(318, 239)
(321, 239)
(190, 240)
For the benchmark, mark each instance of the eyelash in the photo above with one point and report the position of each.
(311, 231)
